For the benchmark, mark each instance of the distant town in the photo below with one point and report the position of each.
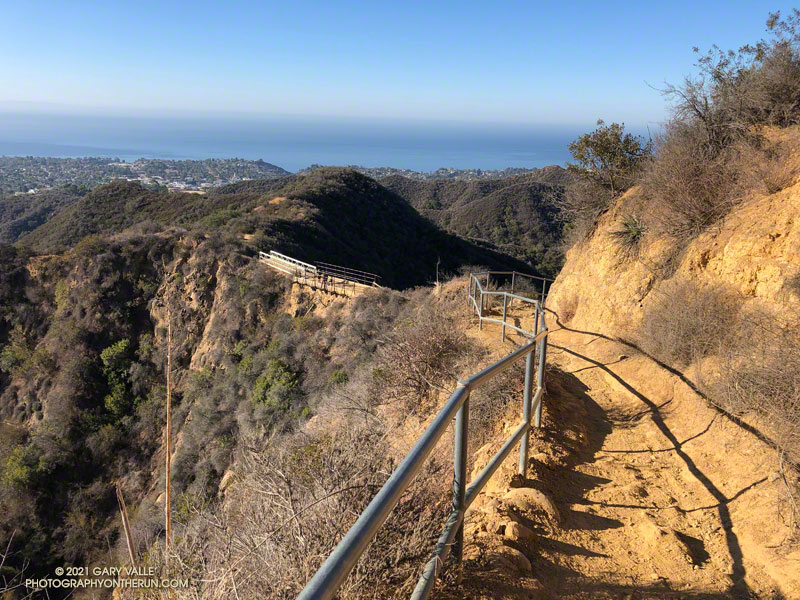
(460, 174)
(30, 174)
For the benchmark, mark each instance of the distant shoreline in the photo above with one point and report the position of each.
(31, 174)
(294, 144)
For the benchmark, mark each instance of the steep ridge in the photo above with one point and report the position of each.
(331, 215)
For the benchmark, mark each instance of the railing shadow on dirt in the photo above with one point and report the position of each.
(738, 587)
(562, 418)
(679, 374)
(569, 442)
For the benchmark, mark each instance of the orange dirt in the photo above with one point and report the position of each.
(636, 489)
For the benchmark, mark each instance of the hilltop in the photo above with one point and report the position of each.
(550, 174)
(333, 215)
(20, 214)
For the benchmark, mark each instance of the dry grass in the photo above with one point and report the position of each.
(761, 374)
(792, 284)
(580, 206)
(689, 183)
(291, 504)
(758, 358)
(687, 322)
(762, 165)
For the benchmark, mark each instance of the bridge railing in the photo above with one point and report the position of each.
(354, 275)
(523, 288)
(332, 278)
(330, 577)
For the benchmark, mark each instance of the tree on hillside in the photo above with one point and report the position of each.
(608, 156)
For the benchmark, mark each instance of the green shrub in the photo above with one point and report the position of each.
(116, 364)
(20, 470)
(609, 157)
(274, 387)
(629, 234)
(338, 377)
(16, 352)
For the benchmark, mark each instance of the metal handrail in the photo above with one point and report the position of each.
(363, 277)
(287, 259)
(330, 577)
(475, 289)
(514, 276)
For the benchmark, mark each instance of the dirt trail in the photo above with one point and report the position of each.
(654, 494)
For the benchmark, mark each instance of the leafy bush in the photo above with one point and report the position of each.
(608, 161)
(274, 387)
(20, 470)
(116, 364)
(609, 157)
(338, 377)
(712, 145)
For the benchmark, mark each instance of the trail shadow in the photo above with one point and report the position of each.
(738, 588)
(675, 507)
(657, 450)
(691, 384)
(490, 583)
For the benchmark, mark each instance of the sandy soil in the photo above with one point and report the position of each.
(646, 491)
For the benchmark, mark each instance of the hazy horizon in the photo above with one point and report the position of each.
(414, 85)
(290, 142)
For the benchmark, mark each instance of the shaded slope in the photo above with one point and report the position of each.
(338, 215)
(24, 213)
(515, 214)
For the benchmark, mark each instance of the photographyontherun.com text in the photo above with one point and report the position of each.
(106, 577)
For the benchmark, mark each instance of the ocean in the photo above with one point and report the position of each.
(289, 142)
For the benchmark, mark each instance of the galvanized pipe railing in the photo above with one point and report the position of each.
(330, 577)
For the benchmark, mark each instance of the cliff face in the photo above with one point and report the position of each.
(755, 251)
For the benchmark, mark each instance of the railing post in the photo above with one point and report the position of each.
(526, 415)
(460, 474)
(480, 306)
(513, 280)
(544, 290)
(540, 374)
(505, 301)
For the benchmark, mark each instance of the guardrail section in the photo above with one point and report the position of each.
(327, 581)
(324, 276)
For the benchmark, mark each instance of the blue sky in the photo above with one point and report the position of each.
(513, 62)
